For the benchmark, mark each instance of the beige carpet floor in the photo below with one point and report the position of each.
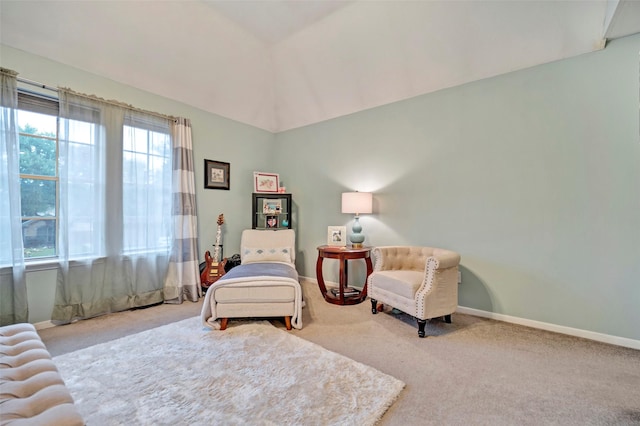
(474, 371)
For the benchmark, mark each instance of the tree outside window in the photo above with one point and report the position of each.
(38, 183)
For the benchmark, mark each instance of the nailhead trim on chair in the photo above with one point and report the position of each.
(432, 264)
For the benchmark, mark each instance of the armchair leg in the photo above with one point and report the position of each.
(421, 324)
(374, 306)
(447, 319)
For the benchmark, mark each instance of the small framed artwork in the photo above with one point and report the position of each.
(337, 236)
(272, 206)
(266, 182)
(272, 221)
(216, 174)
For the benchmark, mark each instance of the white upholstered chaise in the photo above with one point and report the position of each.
(265, 284)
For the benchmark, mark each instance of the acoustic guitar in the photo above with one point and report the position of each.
(214, 268)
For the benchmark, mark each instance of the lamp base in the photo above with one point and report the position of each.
(356, 237)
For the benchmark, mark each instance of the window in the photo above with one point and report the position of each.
(144, 162)
(84, 202)
(38, 131)
(146, 174)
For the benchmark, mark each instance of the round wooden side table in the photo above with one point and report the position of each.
(345, 295)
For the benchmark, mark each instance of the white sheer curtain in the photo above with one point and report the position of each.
(183, 279)
(115, 224)
(13, 288)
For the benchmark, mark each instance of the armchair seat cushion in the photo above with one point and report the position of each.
(402, 283)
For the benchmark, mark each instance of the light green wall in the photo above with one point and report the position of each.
(533, 176)
(245, 147)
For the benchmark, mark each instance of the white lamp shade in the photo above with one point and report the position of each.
(357, 202)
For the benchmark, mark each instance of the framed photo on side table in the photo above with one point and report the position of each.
(266, 182)
(216, 174)
(337, 236)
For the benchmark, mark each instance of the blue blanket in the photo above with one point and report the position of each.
(268, 269)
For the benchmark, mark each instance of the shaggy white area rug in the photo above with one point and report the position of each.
(251, 373)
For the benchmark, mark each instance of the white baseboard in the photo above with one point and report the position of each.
(592, 335)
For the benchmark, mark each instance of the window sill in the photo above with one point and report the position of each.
(40, 265)
(52, 263)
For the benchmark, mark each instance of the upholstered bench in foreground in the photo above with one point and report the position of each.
(32, 391)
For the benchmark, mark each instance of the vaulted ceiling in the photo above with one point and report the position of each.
(282, 64)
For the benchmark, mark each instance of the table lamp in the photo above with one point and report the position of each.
(357, 202)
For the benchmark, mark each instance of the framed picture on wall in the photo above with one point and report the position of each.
(337, 236)
(216, 174)
(266, 182)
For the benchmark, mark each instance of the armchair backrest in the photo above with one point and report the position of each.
(392, 258)
(255, 241)
(414, 258)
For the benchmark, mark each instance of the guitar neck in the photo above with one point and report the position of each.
(216, 248)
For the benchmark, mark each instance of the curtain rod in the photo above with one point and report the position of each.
(121, 104)
(35, 83)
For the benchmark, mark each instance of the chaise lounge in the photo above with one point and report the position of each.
(265, 284)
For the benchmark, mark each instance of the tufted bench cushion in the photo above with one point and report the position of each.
(32, 391)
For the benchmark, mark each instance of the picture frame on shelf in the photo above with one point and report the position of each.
(337, 236)
(266, 182)
(216, 174)
(272, 221)
(272, 206)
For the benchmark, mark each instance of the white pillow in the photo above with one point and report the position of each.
(269, 254)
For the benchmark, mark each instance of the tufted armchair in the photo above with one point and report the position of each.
(421, 281)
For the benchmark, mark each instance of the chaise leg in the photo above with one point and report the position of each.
(421, 324)
(287, 322)
(447, 319)
(374, 306)
(223, 323)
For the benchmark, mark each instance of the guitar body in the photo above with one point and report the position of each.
(212, 271)
(214, 268)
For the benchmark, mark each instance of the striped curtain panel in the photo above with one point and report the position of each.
(183, 278)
